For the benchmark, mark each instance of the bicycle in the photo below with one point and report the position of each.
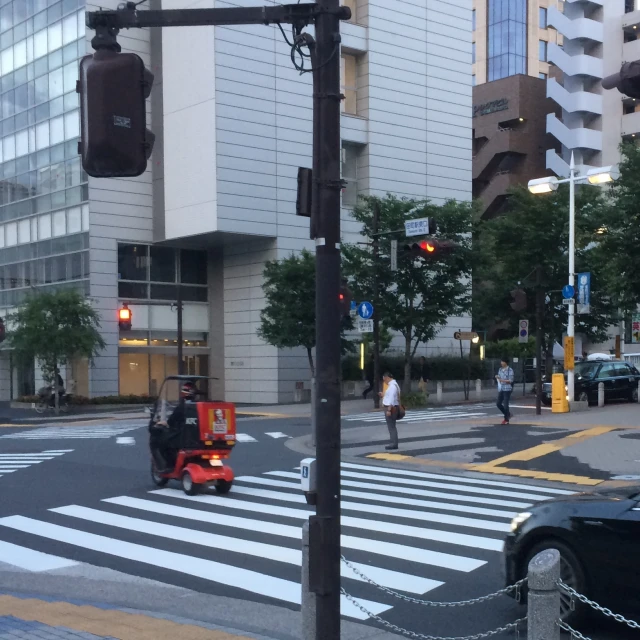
(46, 401)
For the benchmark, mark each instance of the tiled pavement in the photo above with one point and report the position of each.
(27, 618)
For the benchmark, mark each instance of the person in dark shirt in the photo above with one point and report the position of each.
(165, 435)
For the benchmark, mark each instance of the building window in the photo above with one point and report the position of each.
(542, 18)
(542, 76)
(473, 20)
(154, 272)
(473, 52)
(350, 175)
(473, 80)
(348, 82)
(506, 38)
(542, 51)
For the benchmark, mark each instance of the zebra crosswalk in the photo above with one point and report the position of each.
(70, 432)
(12, 462)
(425, 415)
(405, 530)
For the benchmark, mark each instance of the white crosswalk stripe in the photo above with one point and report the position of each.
(398, 533)
(70, 432)
(425, 415)
(12, 462)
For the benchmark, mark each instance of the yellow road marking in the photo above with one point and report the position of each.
(396, 457)
(106, 622)
(551, 447)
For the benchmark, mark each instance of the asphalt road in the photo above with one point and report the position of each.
(84, 495)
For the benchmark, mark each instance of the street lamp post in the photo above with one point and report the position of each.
(600, 175)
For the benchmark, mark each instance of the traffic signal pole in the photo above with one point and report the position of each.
(376, 306)
(539, 317)
(324, 529)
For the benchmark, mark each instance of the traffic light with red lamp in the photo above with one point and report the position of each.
(113, 88)
(431, 249)
(346, 296)
(124, 318)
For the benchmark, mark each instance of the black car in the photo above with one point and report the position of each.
(619, 377)
(597, 534)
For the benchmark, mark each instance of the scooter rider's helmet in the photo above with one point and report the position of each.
(188, 391)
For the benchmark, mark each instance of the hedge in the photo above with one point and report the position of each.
(442, 368)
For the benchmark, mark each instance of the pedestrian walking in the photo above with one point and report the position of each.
(425, 375)
(505, 378)
(391, 404)
(368, 372)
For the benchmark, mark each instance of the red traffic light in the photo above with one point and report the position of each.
(124, 318)
(429, 247)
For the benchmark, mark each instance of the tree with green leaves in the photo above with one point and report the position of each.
(288, 319)
(618, 240)
(535, 231)
(418, 299)
(54, 328)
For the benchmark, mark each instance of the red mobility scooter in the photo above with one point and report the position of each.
(190, 438)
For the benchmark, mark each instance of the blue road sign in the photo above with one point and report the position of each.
(365, 310)
(353, 305)
(568, 291)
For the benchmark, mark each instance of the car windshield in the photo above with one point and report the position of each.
(586, 369)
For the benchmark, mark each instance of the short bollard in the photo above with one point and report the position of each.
(601, 394)
(439, 392)
(543, 596)
(478, 389)
(308, 599)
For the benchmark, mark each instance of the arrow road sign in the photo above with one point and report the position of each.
(568, 291)
(365, 310)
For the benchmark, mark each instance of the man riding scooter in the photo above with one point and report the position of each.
(165, 435)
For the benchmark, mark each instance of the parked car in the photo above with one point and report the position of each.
(620, 380)
(597, 536)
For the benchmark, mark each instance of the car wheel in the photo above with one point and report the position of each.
(546, 402)
(633, 396)
(571, 573)
(188, 485)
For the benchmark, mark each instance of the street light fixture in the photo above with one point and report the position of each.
(599, 175)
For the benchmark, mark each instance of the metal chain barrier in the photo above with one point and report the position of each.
(431, 603)
(594, 605)
(574, 634)
(515, 626)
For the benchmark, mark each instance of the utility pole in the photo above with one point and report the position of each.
(376, 306)
(103, 77)
(539, 316)
(324, 527)
(179, 309)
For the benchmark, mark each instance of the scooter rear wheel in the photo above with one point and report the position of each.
(157, 479)
(223, 486)
(188, 485)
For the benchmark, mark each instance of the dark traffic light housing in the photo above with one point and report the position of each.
(627, 81)
(124, 318)
(113, 88)
(431, 248)
(519, 300)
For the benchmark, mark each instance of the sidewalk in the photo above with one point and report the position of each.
(47, 619)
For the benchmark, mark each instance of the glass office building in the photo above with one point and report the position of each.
(43, 219)
(506, 38)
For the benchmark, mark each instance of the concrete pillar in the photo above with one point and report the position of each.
(439, 392)
(601, 394)
(544, 596)
(478, 390)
